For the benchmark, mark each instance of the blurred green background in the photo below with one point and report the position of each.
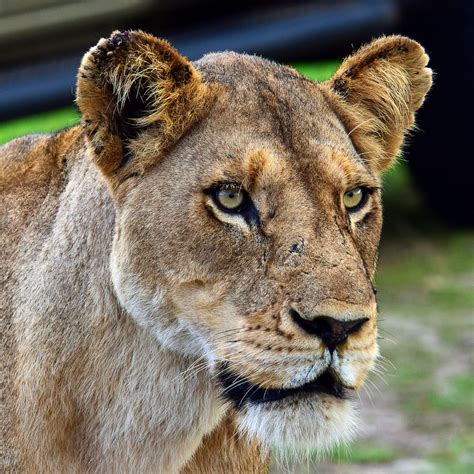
(418, 409)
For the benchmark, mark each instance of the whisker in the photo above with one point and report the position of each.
(387, 361)
(368, 393)
(373, 385)
(227, 331)
(360, 125)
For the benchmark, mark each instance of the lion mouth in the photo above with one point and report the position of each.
(240, 390)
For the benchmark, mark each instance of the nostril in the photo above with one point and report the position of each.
(305, 324)
(322, 328)
(355, 325)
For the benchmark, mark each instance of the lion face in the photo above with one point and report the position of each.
(238, 247)
(250, 244)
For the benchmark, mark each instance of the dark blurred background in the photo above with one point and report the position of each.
(418, 410)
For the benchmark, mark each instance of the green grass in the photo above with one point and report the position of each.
(319, 71)
(456, 457)
(435, 271)
(457, 396)
(363, 453)
(445, 255)
(41, 123)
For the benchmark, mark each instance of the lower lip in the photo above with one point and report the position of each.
(240, 390)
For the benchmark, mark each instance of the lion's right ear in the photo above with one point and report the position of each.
(127, 85)
(377, 91)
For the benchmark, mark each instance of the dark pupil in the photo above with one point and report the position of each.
(231, 195)
(351, 193)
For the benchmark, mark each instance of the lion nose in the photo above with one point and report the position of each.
(331, 331)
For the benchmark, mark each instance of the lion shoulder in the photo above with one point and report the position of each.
(31, 168)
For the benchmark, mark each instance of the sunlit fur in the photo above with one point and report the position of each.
(127, 290)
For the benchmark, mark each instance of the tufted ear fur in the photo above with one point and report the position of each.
(377, 91)
(137, 96)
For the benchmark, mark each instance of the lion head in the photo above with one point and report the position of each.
(249, 215)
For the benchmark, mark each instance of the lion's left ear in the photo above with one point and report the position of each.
(128, 85)
(377, 91)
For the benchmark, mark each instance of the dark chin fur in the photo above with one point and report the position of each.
(240, 391)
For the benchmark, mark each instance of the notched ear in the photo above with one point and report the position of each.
(128, 85)
(377, 91)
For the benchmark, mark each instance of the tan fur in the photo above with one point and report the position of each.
(121, 68)
(385, 83)
(125, 288)
(222, 451)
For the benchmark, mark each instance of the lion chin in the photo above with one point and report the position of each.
(298, 426)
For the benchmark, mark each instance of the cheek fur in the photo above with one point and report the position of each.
(148, 305)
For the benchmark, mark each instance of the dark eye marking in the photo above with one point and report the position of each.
(232, 199)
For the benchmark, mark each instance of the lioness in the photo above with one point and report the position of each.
(188, 273)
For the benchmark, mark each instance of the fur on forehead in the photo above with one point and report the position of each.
(369, 104)
(262, 90)
(236, 69)
(255, 168)
(260, 167)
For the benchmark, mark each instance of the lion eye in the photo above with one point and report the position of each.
(230, 199)
(354, 199)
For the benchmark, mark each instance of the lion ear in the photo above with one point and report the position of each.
(128, 85)
(377, 92)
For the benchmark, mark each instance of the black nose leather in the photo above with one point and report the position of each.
(331, 331)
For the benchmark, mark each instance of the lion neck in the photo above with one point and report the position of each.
(123, 392)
